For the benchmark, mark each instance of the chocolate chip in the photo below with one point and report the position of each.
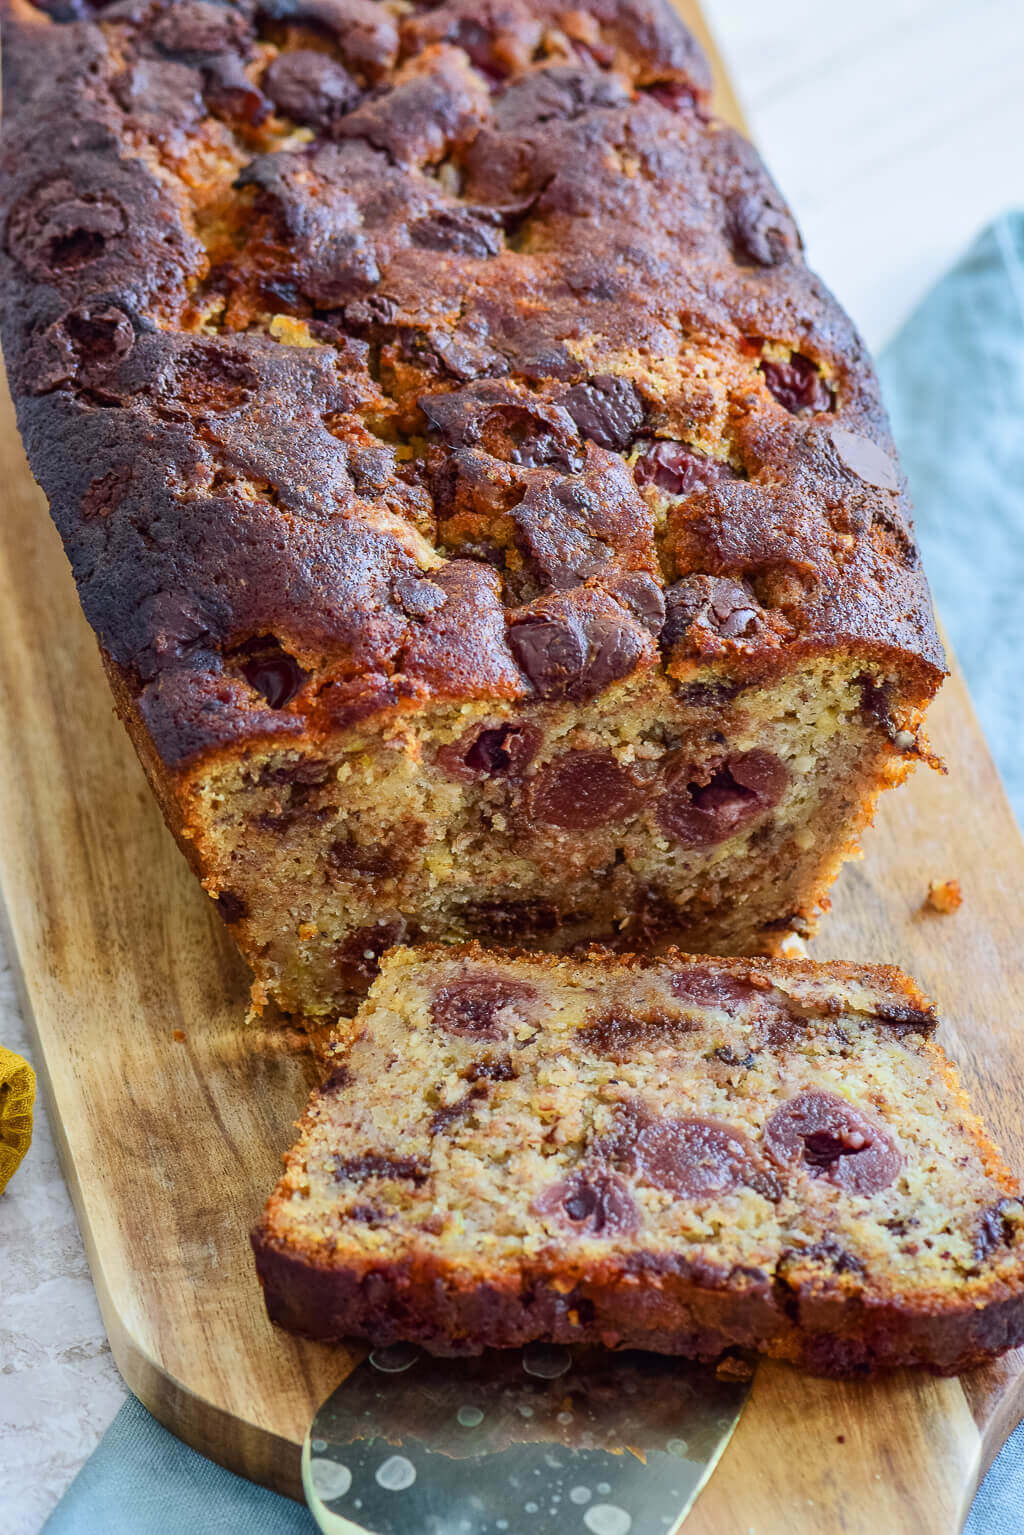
(581, 790)
(607, 409)
(728, 608)
(698, 813)
(865, 459)
(475, 232)
(200, 28)
(697, 1158)
(497, 751)
(505, 920)
(760, 234)
(678, 469)
(593, 1204)
(470, 1006)
(566, 654)
(501, 420)
(797, 384)
(994, 1229)
(311, 88)
(556, 94)
(418, 596)
(829, 1138)
(377, 1165)
(876, 701)
(640, 595)
(269, 669)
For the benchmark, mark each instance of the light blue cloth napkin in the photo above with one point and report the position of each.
(954, 381)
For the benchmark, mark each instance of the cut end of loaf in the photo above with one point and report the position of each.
(680, 1154)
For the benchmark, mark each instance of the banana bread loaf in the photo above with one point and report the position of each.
(489, 524)
(677, 1154)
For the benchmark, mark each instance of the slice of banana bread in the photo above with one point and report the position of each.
(490, 525)
(678, 1154)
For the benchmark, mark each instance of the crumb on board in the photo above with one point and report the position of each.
(179, 1035)
(944, 895)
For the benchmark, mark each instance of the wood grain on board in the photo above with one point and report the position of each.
(171, 1112)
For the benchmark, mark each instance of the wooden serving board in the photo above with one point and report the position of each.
(171, 1113)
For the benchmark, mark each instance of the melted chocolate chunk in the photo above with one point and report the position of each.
(570, 655)
(378, 1165)
(592, 1203)
(450, 1113)
(726, 607)
(505, 422)
(865, 459)
(351, 861)
(311, 88)
(680, 470)
(701, 814)
(358, 957)
(470, 1005)
(714, 988)
(476, 232)
(619, 1034)
(697, 1158)
(797, 384)
(826, 1135)
(640, 595)
(417, 596)
(557, 94)
(581, 790)
(760, 234)
(994, 1230)
(673, 95)
(510, 919)
(607, 409)
(199, 29)
(496, 751)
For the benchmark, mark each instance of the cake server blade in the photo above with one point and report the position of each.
(538, 1441)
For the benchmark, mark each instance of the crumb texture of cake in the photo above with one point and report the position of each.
(678, 1153)
(489, 523)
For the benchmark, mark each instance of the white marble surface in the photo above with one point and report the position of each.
(894, 127)
(59, 1385)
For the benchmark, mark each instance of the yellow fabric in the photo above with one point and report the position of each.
(17, 1095)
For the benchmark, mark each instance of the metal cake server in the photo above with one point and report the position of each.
(544, 1440)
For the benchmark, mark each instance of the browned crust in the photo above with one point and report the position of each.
(202, 496)
(661, 1302)
(653, 1303)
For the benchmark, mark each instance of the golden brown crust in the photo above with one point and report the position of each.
(670, 1309)
(386, 447)
(919, 1261)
